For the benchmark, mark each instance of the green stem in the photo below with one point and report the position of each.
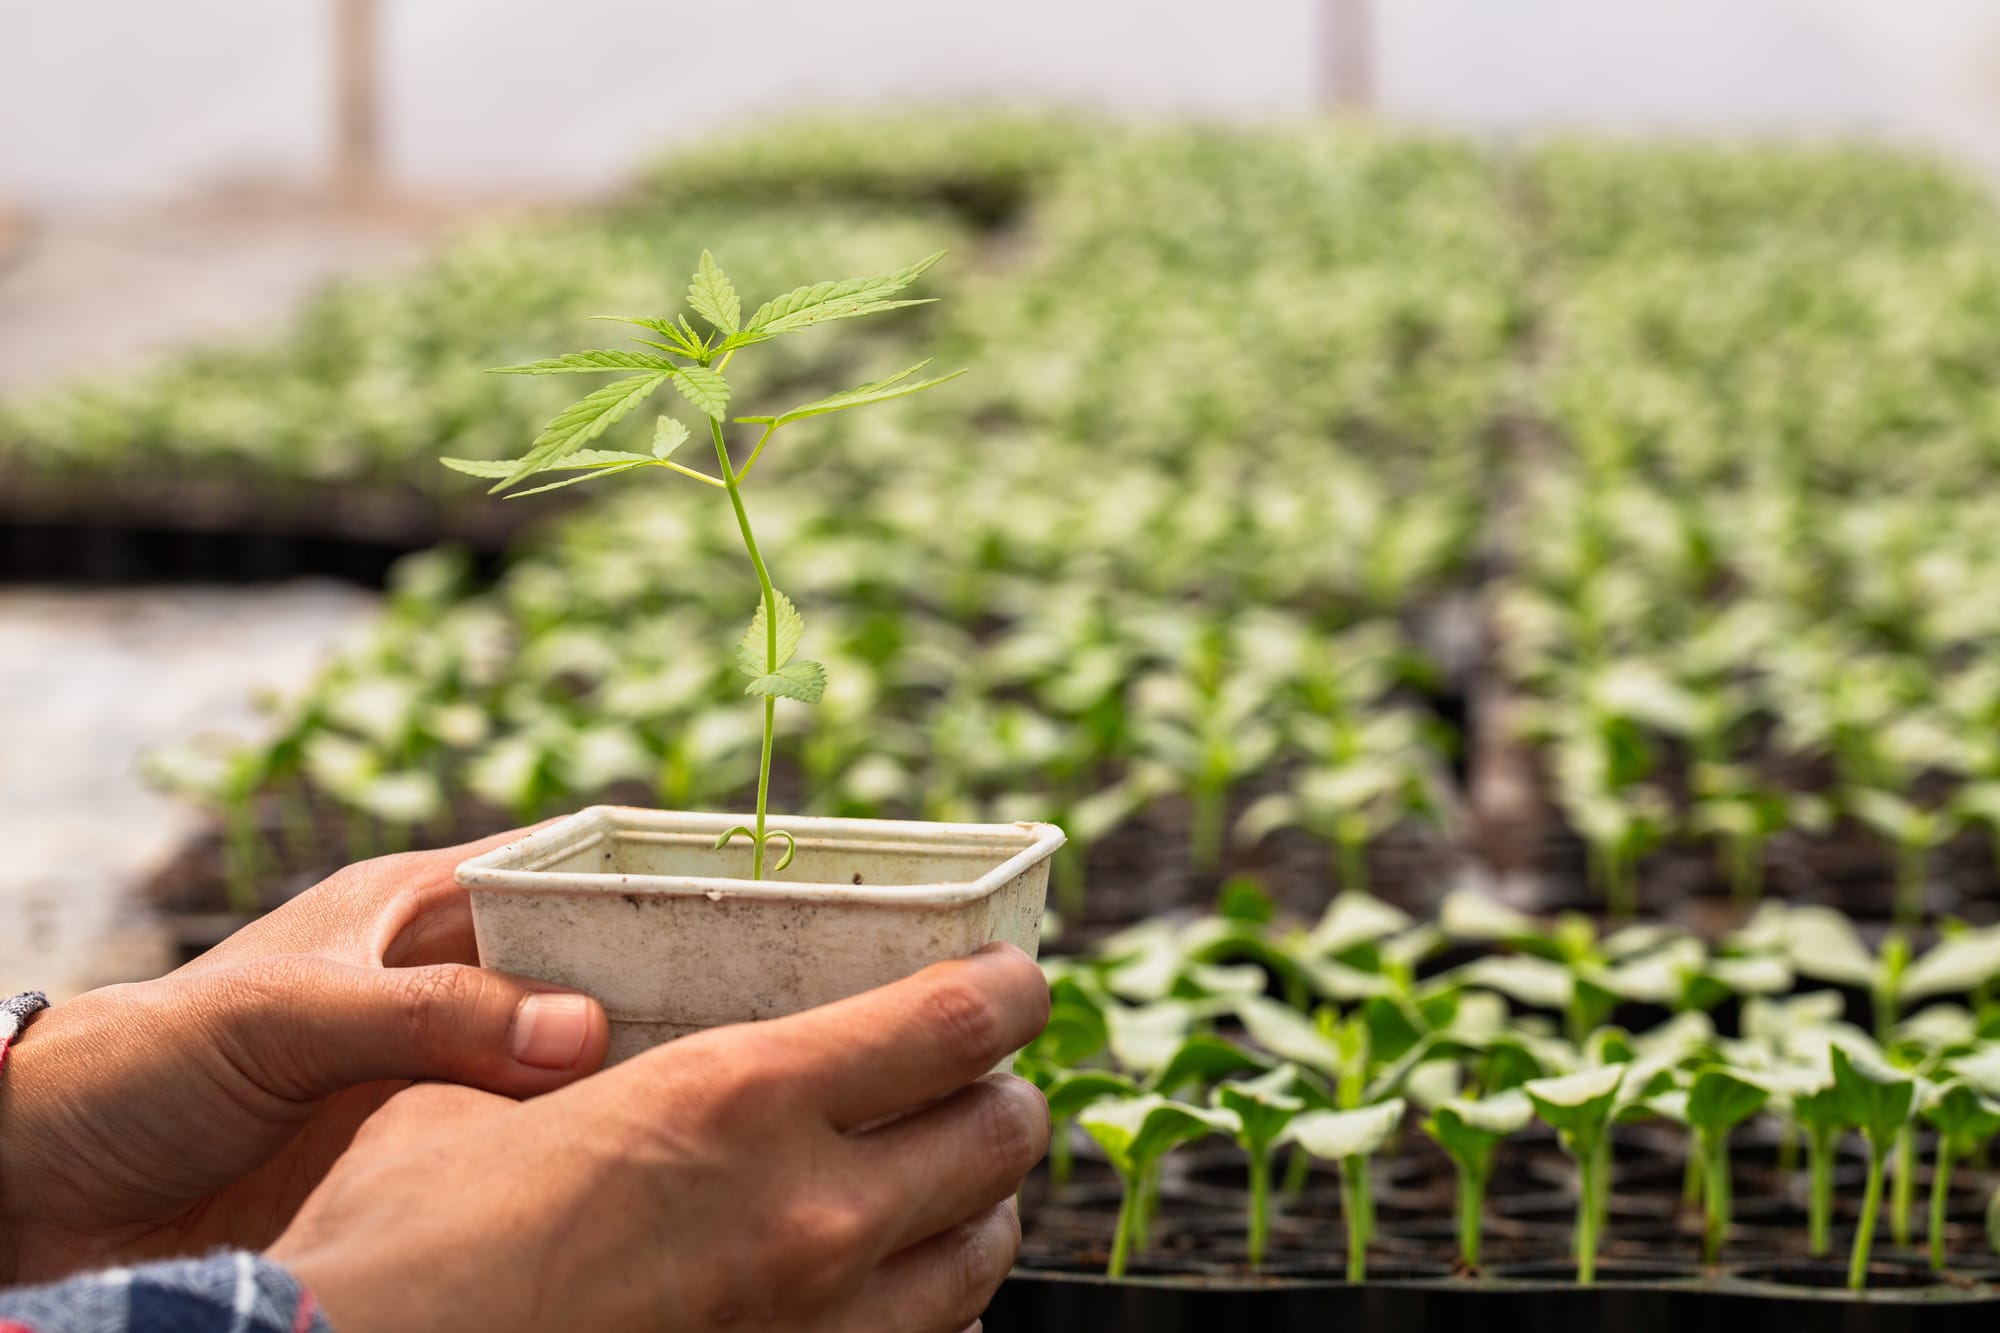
(1910, 875)
(1260, 1205)
(1864, 1231)
(729, 481)
(1471, 1206)
(1121, 1236)
(1205, 828)
(1061, 1151)
(1355, 1204)
(1297, 1168)
(1353, 862)
(1691, 1175)
(1586, 1216)
(1903, 1196)
(240, 858)
(1940, 1188)
(1819, 1213)
(1149, 1207)
(1716, 1228)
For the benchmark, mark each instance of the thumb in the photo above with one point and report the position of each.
(304, 1027)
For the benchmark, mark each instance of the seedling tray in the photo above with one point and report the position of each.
(1670, 1302)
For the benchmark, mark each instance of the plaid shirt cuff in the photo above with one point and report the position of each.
(228, 1292)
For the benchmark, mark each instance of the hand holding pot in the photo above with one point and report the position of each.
(846, 1168)
(198, 1110)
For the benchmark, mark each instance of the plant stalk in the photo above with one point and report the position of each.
(1121, 1236)
(1717, 1188)
(1356, 1205)
(1864, 1231)
(1940, 1189)
(1902, 1195)
(1819, 1212)
(1061, 1151)
(1471, 1207)
(1260, 1206)
(1586, 1216)
(730, 482)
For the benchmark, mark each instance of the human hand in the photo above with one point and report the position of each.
(171, 1116)
(843, 1169)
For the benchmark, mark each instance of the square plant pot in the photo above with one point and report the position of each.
(638, 908)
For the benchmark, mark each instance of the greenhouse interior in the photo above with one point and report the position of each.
(1423, 562)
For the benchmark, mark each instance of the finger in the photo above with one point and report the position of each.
(305, 1028)
(955, 1159)
(914, 1040)
(406, 910)
(942, 1284)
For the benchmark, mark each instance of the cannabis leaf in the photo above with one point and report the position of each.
(681, 341)
(583, 421)
(572, 363)
(582, 458)
(877, 391)
(668, 435)
(703, 387)
(804, 680)
(753, 653)
(713, 297)
(821, 302)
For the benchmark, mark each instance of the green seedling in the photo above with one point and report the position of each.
(1469, 1131)
(1350, 1138)
(694, 362)
(1135, 1134)
(1264, 1108)
(1878, 1101)
(1579, 1108)
(1820, 1114)
(1964, 1119)
(1915, 833)
(1718, 1100)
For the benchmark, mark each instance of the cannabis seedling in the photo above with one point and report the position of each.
(1469, 1131)
(1964, 1120)
(1350, 1138)
(1135, 1133)
(1876, 1100)
(1718, 1100)
(694, 362)
(1264, 1108)
(1579, 1108)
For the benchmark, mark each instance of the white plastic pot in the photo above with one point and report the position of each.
(639, 909)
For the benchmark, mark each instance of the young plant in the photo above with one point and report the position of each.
(1964, 1120)
(1579, 1108)
(1820, 1114)
(1876, 1100)
(1469, 1131)
(693, 362)
(1264, 1108)
(1717, 1101)
(1135, 1133)
(1350, 1138)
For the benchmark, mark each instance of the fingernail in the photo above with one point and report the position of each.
(550, 1030)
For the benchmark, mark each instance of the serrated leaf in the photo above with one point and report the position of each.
(877, 391)
(713, 297)
(754, 655)
(705, 388)
(665, 328)
(573, 363)
(668, 435)
(803, 307)
(582, 458)
(803, 680)
(583, 421)
(591, 475)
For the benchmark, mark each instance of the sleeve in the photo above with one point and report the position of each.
(229, 1292)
